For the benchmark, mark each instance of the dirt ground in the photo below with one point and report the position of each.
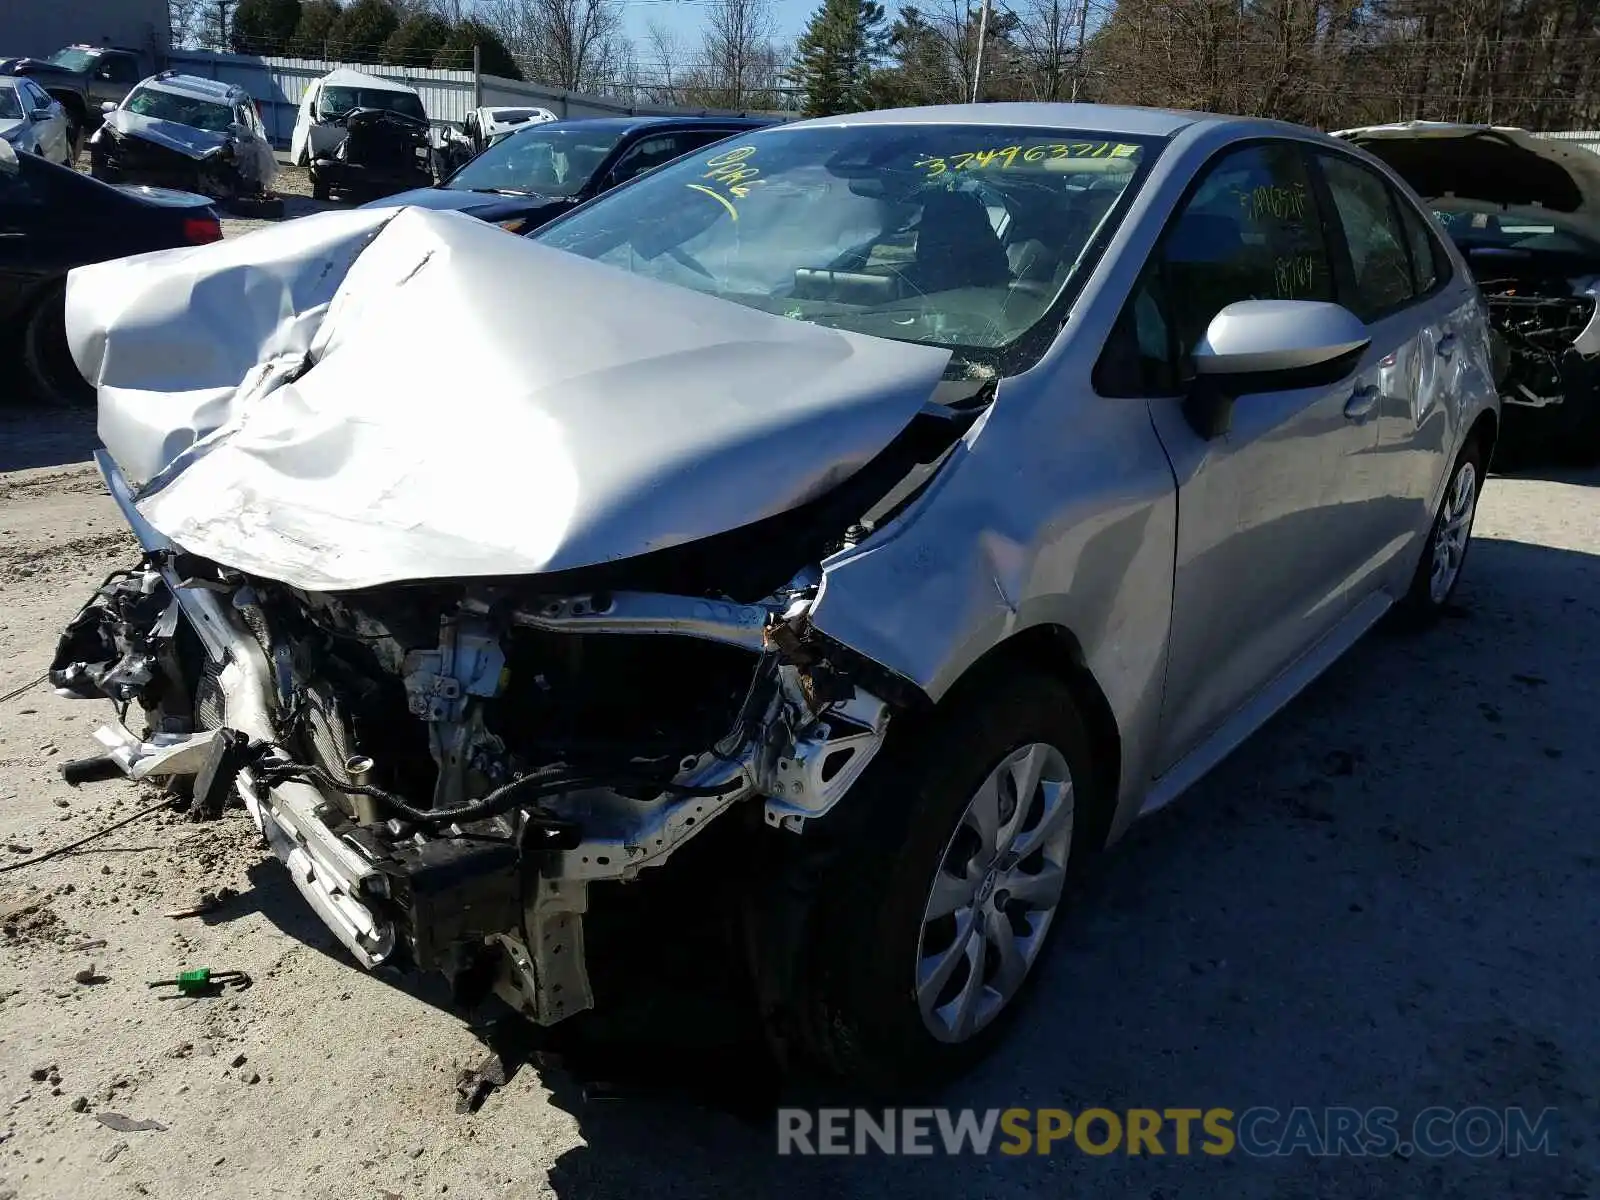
(1387, 898)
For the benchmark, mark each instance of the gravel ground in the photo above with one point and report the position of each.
(1384, 899)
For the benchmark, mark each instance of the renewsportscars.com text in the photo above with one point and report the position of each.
(1476, 1131)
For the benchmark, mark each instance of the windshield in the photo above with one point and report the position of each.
(10, 104)
(336, 101)
(962, 236)
(1507, 229)
(72, 60)
(552, 162)
(181, 110)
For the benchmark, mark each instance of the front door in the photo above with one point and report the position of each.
(1269, 524)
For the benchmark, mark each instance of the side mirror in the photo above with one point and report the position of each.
(45, 113)
(1269, 346)
(108, 106)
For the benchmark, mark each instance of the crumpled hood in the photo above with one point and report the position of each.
(1500, 166)
(185, 139)
(370, 396)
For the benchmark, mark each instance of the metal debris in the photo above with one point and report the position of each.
(475, 1083)
(124, 1124)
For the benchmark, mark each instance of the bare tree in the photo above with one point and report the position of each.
(662, 56)
(575, 44)
(741, 66)
(186, 21)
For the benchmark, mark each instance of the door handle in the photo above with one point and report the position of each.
(1446, 346)
(1361, 403)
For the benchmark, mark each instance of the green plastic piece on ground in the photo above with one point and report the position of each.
(194, 981)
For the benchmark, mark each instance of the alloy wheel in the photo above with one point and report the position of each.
(995, 893)
(1455, 528)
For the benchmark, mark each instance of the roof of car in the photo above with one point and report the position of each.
(1102, 118)
(349, 77)
(196, 87)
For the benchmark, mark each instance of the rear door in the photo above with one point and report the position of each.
(1396, 279)
(1266, 531)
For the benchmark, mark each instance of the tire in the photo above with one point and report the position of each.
(1444, 555)
(46, 361)
(855, 1010)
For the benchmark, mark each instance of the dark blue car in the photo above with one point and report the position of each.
(538, 173)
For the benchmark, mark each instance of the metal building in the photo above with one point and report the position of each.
(30, 27)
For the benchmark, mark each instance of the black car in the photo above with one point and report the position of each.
(535, 174)
(53, 219)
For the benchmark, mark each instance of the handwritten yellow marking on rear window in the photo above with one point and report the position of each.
(1000, 158)
(730, 176)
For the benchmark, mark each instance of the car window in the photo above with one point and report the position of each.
(1379, 261)
(119, 68)
(884, 230)
(1429, 264)
(649, 153)
(336, 101)
(544, 159)
(1250, 231)
(180, 110)
(12, 103)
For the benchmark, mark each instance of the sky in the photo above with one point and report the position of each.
(686, 18)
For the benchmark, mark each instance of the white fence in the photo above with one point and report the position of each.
(277, 84)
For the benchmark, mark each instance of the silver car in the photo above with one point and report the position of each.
(835, 537)
(33, 122)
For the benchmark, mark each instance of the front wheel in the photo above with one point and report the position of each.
(1445, 553)
(937, 915)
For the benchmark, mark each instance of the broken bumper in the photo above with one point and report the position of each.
(332, 877)
(450, 892)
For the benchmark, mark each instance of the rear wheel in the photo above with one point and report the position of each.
(46, 361)
(941, 907)
(1439, 570)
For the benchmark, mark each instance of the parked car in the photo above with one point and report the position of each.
(1525, 211)
(53, 219)
(856, 524)
(487, 125)
(183, 131)
(362, 133)
(535, 174)
(83, 78)
(32, 122)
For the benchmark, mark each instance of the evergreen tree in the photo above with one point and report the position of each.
(263, 26)
(317, 18)
(493, 57)
(417, 41)
(361, 30)
(836, 55)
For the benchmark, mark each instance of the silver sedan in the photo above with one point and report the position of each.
(915, 498)
(33, 122)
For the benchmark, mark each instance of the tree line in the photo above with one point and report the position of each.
(1329, 63)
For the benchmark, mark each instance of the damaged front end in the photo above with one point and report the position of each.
(446, 769)
(1547, 343)
(474, 666)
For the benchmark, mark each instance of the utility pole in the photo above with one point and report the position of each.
(977, 66)
(222, 23)
(1077, 62)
